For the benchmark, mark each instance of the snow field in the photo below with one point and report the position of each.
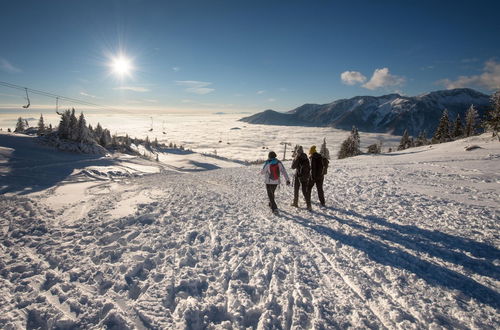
(407, 241)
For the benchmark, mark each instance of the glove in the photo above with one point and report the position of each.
(287, 182)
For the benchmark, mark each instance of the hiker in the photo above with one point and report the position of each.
(272, 170)
(301, 178)
(317, 176)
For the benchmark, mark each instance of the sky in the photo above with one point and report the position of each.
(243, 56)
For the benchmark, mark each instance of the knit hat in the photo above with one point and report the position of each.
(300, 150)
(312, 150)
(271, 155)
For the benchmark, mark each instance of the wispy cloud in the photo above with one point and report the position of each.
(261, 92)
(88, 95)
(271, 100)
(6, 66)
(138, 89)
(489, 78)
(352, 77)
(176, 69)
(196, 87)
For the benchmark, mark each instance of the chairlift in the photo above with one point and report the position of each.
(57, 106)
(163, 127)
(151, 129)
(27, 98)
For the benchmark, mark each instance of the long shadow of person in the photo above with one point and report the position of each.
(392, 256)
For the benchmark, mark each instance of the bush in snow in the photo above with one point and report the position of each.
(350, 146)
(492, 123)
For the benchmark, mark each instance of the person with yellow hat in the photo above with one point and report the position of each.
(317, 176)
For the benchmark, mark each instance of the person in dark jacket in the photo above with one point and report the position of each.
(301, 178)
(317, 175)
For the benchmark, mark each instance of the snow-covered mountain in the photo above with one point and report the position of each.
(408, 240)
(392, 113)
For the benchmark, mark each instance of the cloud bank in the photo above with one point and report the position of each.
(489, 78)
(132, 88)
(381, 78)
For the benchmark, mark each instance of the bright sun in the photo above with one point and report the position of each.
(121, 66)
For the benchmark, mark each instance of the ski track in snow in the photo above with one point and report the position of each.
(202, 250)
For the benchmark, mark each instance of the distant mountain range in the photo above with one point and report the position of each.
(392, 113)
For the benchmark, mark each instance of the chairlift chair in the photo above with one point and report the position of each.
(27, 98)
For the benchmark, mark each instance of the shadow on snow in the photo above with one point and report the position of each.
(434, 243)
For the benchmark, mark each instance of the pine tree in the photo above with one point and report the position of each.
(147, 143)
(82, 131)
(493, 121)
(98, 132)
(155, 143)
(20, 125)
(421, 139)
(324, 150)
(442, 133)
(41, 126)
(105, 139)
(471, 121)
(63, 129)
(405, 141)
(458, 129)
(50, 129)
(73, 126)
(350, 146)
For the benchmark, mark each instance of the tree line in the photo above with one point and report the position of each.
(76, 130)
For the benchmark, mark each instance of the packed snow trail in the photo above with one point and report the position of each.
(406, 242)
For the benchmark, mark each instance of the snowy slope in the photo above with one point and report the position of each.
(409, 240)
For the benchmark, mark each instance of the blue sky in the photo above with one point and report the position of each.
(245, 55)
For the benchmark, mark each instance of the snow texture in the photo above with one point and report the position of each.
(408, 240)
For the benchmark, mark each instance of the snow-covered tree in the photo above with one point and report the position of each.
(73, 126)
(458, 128)
(442, 133)
(421, 139)
(64, 130)
(98, 132)
(147, 143)
(405, 142)
(83, 133)
(350, 146)
(105, 139)
(471, 121)
(492, 123)
(324, 150)
(20, 125)
(41, 126)
(50, 129)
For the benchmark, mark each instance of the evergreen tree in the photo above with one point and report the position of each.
(114, 142)
(324, 150)
(421, 139)
(105, 139)
(170, 145)
(493, 121)
(41, 126)
(350, 146)
(63, 129)
(442, 133)
(98, 132)
(405, 141)
(471, 121)
(73, 126)
(147, 143)
(83, 133)
(50, 129)
(20, 125)
(155, 143)
(458, 129)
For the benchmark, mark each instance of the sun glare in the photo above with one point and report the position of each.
(121, 66)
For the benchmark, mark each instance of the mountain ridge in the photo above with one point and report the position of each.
(390, 113)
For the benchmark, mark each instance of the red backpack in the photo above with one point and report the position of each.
(274, 171)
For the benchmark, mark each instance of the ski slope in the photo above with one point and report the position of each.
(408, 240)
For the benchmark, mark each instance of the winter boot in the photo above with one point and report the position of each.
(295, 204)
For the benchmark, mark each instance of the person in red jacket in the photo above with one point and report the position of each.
(317, 176)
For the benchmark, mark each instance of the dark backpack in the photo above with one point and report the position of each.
(274, 171)
(325, 165)
(304, 169)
